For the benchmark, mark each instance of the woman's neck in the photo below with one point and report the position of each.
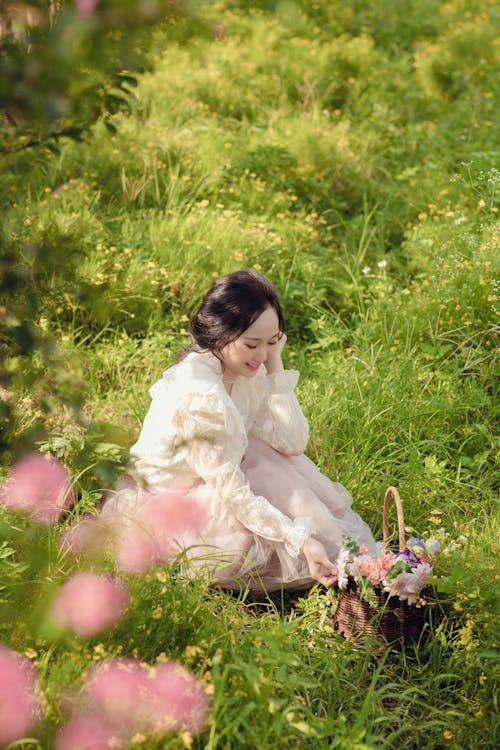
(228, 382)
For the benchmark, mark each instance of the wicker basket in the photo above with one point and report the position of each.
(394, 621)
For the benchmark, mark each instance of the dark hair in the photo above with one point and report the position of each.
(230, 306)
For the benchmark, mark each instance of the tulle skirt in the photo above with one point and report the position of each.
(233, 556)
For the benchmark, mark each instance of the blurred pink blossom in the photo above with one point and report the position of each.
(116, 691)
(19, 702)
(149, 535)
(147, 532)
(84, 732)
(85, 8)
(179, 700)
(130, 697)
(89, 603)
(39, 485)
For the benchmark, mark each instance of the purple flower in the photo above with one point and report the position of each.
(407, 556)
(416, 546)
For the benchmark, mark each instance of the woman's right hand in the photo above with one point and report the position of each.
(320, 567)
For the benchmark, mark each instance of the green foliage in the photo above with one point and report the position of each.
(347, 150)
(60, 71)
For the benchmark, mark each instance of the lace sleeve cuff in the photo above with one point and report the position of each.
(301, 529)
(282, 382)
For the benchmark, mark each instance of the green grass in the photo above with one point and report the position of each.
(347, 151)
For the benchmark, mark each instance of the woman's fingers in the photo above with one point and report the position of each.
(328, 580)
(281, 343)
(320, 567)
(328, 576)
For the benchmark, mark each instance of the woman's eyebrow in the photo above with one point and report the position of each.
(256, 338)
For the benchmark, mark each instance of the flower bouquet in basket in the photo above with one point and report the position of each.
(380, 595)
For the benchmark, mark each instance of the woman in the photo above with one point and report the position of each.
(225, 425)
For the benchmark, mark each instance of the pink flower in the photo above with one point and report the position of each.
(116, 691)
(151, 533)
(179, 701)
(18, 698)
(129, 697)
(84, 732)
(39, 485)
(85, 8)
(89, 603)
(363, 549)
(375, 568)
(387, 561)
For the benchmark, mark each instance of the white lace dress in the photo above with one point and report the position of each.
(241, 456)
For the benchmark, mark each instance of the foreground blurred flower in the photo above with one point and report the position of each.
(150, 534)
(89, 603)
(146, 530)
(85, 8)
(115, 690)
(84, 733)
(128, 698)
(18, 697)
(179, 700)
(39, 485)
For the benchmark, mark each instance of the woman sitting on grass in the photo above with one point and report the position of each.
(225, 425)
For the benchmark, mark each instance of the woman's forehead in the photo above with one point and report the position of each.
(265, 327)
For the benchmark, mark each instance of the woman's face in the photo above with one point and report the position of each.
(249, 351)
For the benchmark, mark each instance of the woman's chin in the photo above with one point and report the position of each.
(250, 371)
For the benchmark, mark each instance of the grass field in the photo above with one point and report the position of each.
(349, 151)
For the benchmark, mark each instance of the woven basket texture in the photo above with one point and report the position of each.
(393, 621)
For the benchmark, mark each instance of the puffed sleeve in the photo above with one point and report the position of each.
(210, 451)
(280, 421)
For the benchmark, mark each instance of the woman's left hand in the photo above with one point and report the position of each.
(273, 362)
(320, 567)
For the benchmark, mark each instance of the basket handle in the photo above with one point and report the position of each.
(401, 521)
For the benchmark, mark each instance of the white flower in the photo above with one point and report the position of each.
(342, 561)
(460, 220)
(365, 270)
(382, 263)
(432, 546)
(407, 586)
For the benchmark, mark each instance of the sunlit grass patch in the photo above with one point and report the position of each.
(317, 144)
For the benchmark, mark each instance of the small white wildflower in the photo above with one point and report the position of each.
(365, 270)
(342, 561)
(432, 546)
(382, 263)
(460, 220)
